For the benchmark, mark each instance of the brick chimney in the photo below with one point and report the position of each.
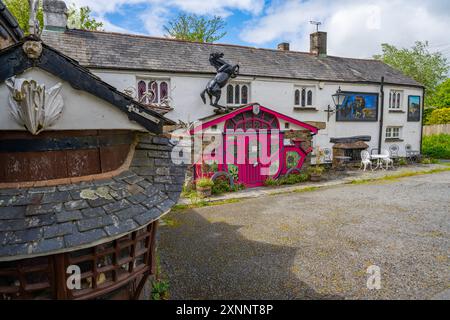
(318, 43)
(55, 15)
(284, 46)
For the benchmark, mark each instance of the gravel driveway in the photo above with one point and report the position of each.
(315, 245)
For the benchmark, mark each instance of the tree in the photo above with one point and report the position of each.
(418, 63)
(21, 10)
(78, 18)
(195, 28)
(81, 19)
(439, 116)
(441, 96)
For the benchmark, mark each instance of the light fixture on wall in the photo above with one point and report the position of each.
(338, 100)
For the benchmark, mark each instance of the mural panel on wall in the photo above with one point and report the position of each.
(358, 107)
(413, 108)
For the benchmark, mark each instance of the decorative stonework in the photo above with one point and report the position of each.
(32, 105)
(33, 49)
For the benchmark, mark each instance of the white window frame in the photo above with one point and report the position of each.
(393, 132)
(158, 82)
(393, 103)
(306, 89)
(234, 85)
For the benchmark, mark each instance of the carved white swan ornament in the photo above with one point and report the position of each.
(32, 106)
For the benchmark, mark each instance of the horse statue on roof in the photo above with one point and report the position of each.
(225, 71)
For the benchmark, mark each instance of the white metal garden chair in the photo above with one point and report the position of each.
(365, 160)
(387, 160)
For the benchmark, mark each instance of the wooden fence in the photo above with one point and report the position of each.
(436, 129)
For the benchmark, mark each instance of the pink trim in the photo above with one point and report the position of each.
(250, 107)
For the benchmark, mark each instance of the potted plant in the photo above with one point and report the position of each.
(315, 172)
(203, 186)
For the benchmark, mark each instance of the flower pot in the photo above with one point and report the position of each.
(204, 192)
(315, 177)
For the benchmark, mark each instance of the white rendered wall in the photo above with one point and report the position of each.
(278, 94)
(82, 111)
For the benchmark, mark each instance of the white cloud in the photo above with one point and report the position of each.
(355, 28)
(157, 12)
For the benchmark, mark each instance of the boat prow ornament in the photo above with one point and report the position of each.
(32, 106)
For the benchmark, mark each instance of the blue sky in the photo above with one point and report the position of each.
(356, 28)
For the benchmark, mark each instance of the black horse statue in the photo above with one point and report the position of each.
(225, 71)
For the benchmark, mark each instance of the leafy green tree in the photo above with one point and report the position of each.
(21, 10)
(81, 19)
(418, 63)
(441, 96)
(439, 116)
(196, 28)
(78, 18)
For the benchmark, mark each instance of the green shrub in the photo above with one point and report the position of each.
(425, 161)
(316, 170)
(204, 182)
(436, 146)
(220, 186)
(439, 116)
(160, 290)
(402, 162)
(293, 179)
(270, 182)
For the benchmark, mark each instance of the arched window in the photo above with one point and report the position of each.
(163, 91)
(398, 100)
(303, 97)
(237, 94)
(390, 99)
(297, 97)
(153, 92)
(309, 98)
(229, 94)
(142, 88)
(244, 94)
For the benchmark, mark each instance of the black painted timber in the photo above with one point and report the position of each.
(67, 143)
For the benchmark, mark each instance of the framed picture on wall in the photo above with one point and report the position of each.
(413, 108)
(358, 106)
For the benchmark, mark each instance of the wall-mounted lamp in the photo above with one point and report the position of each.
(338, 100)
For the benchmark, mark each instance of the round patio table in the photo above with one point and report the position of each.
(379, 158)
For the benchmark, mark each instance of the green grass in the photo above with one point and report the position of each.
(436, 146)
(201, 204)
(307, 189)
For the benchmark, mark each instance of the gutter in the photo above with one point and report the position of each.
(422, 113)
(380, 137)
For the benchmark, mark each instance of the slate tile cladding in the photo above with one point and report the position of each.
(43, 220)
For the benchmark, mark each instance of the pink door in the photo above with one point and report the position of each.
(247, 167)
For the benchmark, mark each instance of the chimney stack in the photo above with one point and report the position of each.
(284, 46)
(55, 15)
(318, 43)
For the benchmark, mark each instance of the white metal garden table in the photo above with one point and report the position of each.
(379, 158)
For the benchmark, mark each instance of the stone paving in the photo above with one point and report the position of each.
(315, 245)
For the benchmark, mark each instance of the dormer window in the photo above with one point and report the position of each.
(153, 91)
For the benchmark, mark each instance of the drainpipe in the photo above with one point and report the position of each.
(422, 111)
(380, 137)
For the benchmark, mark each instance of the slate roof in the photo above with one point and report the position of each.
(9, 23)
(13, 61)
(96, 49)
(46, 220)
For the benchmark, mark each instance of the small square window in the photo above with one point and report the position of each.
(286, 125)
(393, 132)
